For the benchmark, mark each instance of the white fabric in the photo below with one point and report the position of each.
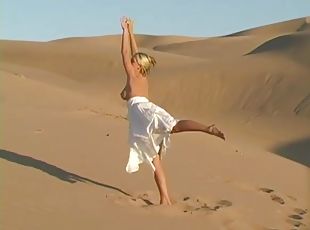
(149, 125)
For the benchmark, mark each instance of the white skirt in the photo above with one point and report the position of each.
(149, 126)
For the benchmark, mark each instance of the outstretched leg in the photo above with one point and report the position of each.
(189, 125)
(160, 180)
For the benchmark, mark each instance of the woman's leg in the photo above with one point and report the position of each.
(189, 125)
(160, 180)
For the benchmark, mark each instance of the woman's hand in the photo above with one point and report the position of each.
(130, 25)
(124, 23)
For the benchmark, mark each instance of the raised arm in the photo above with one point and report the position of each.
(125, 48)
(133, 44)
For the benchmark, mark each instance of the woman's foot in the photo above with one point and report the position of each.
(165, 201)
(215, 131)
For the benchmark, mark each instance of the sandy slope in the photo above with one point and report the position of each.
(63, 145)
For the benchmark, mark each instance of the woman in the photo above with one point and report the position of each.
(150, 126)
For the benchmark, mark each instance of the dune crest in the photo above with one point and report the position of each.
(63, 148)
(286, 27)
(295, 46)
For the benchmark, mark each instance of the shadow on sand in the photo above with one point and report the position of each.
(298, 150)
(52, 170)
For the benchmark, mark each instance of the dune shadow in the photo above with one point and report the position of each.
(298, 151)
(277, 43)
(52, 170)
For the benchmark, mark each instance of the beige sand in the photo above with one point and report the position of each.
(64, 133)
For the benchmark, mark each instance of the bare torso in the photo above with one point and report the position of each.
(135, 86)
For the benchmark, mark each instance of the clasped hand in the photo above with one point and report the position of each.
(127, 24)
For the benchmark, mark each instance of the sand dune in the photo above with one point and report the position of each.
(225, 47)
(64, 142)
(277, 28)
(294, 46)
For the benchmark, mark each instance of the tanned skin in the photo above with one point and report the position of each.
(137, 85)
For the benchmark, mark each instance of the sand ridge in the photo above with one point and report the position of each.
(64, 140)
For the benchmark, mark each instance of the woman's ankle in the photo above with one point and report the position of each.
(165, 201)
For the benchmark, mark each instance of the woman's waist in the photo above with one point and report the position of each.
(137, 99)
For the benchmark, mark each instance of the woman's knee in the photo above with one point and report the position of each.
(176, 128)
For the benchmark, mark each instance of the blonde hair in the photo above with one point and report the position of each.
(145, 62)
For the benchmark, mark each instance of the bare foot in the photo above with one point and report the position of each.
(164, 201)
(215, 131)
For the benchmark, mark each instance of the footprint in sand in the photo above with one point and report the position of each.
(190, 205)
(266, 190)
(295, 219)
(277, 199)
(223, 204)
(139, 200)
(199, 205)
(300, 211)
(273, 196)
(295, 223)
(145, 198)
(187, 204)
(38, 131)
